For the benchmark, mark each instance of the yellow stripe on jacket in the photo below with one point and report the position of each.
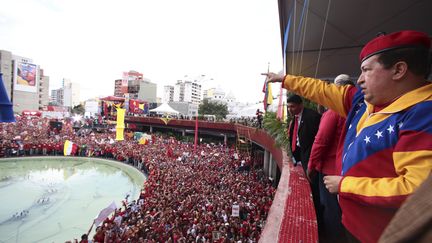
(321, 92)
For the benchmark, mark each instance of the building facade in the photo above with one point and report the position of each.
(118, 91)
(168, 95)
(57, 97)
(129, 83)
(215, 94)
(43, 90)
(186, 109)
(188, 90)
(25, 83)
(71, 93)
(133, 85)
(147, 91)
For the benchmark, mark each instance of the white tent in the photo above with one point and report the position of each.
(164, 108)
(250, 111)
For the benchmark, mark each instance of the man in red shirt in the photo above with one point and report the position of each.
(322, 162)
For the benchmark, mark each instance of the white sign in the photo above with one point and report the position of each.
(235, 210)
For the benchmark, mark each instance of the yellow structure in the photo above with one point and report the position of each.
(120, 124)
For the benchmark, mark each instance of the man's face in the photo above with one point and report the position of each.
(294, 109)
(375, 81)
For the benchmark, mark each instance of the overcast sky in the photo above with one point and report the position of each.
(92, 42)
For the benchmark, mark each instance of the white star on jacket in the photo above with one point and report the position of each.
(378, 134)
(367, 140)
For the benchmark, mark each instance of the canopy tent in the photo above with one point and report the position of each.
(164, 108)
(250, 111)
(323, 38)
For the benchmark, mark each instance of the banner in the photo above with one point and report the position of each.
(104, 213)
(25, 76)
(120, 118)
(120, 124)
(119, 134)
(134, 105)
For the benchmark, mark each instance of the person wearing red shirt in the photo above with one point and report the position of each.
(322, 162)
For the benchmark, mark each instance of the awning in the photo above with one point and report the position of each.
(323, 40)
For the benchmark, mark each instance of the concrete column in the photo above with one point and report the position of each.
(266, 162)
(183, 132)
(271, 166)
(151, 129)
(273, 169)
(225, 139)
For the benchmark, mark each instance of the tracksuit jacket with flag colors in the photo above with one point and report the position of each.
(386, 154)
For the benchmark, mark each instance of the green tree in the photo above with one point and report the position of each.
(207, 107)
(79, 109)
(277, 129)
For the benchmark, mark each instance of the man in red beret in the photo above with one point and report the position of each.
(387, 151)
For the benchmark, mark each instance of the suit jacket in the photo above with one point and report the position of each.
(307, 130)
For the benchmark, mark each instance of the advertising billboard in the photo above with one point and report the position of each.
(25, 76)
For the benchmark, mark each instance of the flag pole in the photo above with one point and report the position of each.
(196, 133)
(91, 227)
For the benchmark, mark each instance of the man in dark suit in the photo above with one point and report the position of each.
(302, 130)
(306, 128)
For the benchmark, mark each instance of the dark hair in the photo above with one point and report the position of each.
(294, 99)
(417, 58)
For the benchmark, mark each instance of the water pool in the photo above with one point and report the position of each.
(54, 199)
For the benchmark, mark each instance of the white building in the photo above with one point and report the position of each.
(215, 94)
(168, 95)
(188, 90)
(71, 93)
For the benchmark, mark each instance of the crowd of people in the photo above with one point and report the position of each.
(206, 196)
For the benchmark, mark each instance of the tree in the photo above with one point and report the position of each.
(277, 129)
(79, 109)
(207, 107)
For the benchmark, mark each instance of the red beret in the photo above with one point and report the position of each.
(406, 38)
